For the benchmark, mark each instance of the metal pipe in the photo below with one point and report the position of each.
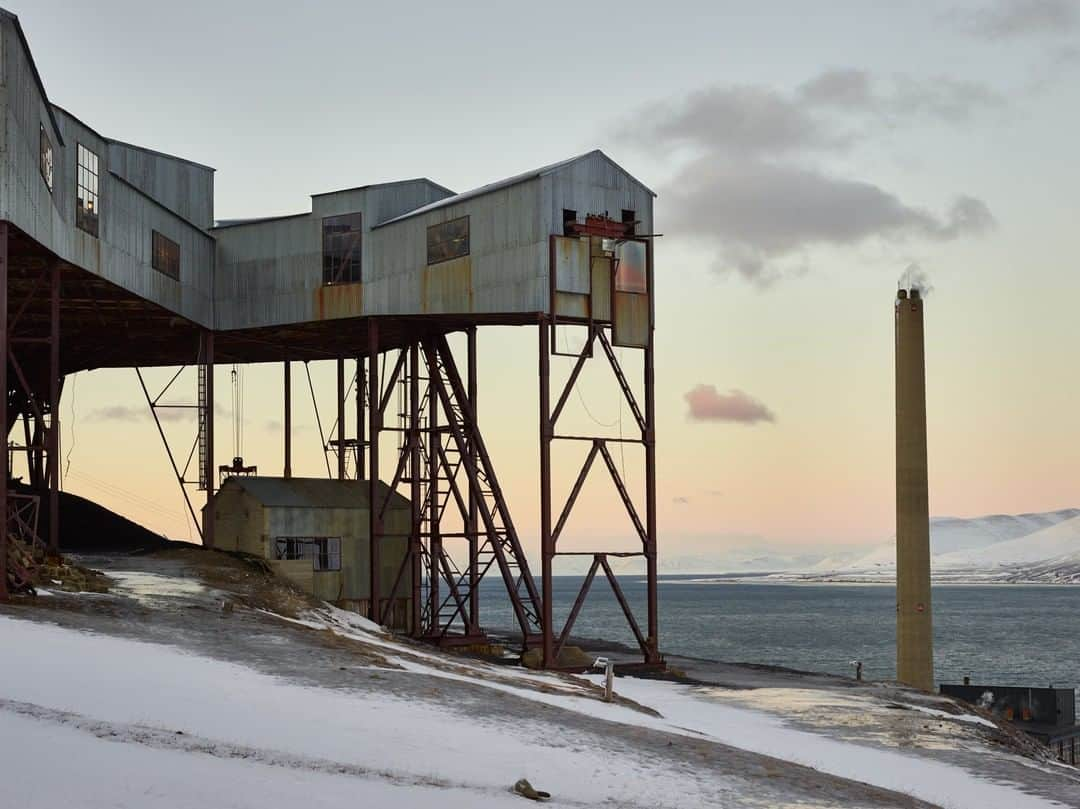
(288, 419)
(53, 436)
(374, 424)
(547, 546)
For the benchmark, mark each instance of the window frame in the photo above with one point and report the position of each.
(164, 265)
(87, 214)
(352, 254)
(46, 158)
(324, 552)
(451, 256)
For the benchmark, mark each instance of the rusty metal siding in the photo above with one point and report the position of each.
(508, 253)
(270, 272)
(121, 254)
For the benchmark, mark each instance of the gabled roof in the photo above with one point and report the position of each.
(5, 14)
(507, 183)
(312, 492)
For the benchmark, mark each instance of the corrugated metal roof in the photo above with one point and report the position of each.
(312, 492)
(509, 181)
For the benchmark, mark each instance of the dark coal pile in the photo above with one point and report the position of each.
(86, 527)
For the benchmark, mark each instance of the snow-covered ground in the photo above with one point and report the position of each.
(96, 719)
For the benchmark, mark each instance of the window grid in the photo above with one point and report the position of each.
(45, 158)
(86, 190)
(166, 256)
(341, 248)
(324, 552)
(448, 240)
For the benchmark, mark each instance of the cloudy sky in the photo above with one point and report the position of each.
(804, 160)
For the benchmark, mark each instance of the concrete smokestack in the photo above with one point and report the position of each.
(914, 628)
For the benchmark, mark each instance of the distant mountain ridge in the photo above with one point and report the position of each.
(1000, 547)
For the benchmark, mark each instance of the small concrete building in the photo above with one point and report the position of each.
(314, 532)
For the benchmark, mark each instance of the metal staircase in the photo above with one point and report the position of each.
(445, 429)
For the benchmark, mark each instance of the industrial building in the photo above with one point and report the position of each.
(314, 532)
(1045, 714)
(100, 238)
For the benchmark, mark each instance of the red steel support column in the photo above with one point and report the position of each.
(416, 469)
(374, 426)
(434, 539)
(341, 418)
(547, 547)
(3, 404)
(210, 471)
(288, 419)
(53, 467)
(472, 529)
(653, 638)
(361, 471)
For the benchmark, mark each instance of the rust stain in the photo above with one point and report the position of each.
(447, 287)
(339, 300)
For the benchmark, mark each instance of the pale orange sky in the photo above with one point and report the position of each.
(969, 100)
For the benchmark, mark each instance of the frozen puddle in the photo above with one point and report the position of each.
(155, 590)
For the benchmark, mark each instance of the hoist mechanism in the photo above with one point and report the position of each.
(237, 467)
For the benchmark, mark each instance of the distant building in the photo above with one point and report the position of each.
(314, 532)
(1046, 714)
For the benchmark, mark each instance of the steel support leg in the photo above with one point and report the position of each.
(435, 549)
(53, 435)
(472, 527)
(210, 471)
(416, 469)
(3, 405)
(288, 419)
(547, 545)
(341, 418)
(653, 654)
(374, 426)
(361, 386)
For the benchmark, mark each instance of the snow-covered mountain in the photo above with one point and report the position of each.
(999, 547)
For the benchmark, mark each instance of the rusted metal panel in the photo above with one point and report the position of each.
(631, 325)
(447, 286)
(568, 304)
(572, 265)
(601, 288)
(339, 300)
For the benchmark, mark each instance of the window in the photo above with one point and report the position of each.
(324, 552)
(569, 219)
(341, 248)
(166, 256)
(86, 190)
(45, 158)
(448, 240)
(629, 221)
(630, 270)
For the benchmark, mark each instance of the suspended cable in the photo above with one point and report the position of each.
(577, 390)
(71, 445)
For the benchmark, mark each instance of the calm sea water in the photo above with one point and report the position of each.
(1023, 635)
